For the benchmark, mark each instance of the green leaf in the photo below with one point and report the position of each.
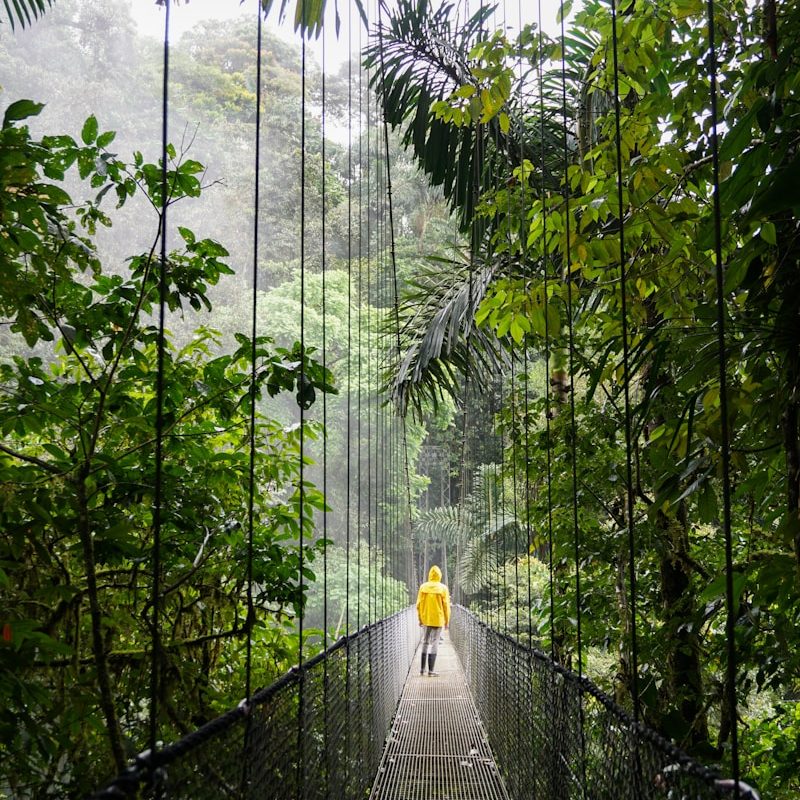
(718, 589)
(52, 194)
(89, 130)
(465, 91)
(768, 233)
(707, 503)
(105, 139)
(779, 192)
(739, 136)
(21, 109)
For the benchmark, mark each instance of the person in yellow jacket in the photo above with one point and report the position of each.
(433, 611)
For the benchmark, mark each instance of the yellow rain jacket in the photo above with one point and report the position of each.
(433, 601)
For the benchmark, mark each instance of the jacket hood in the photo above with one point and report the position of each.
(435, 574)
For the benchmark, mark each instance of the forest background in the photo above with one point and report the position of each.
(75, 647)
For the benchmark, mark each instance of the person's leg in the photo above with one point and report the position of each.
(433, 648)
(425, 645)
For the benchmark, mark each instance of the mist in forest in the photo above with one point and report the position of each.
(89, 57)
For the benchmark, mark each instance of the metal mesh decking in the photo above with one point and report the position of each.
(437, 749)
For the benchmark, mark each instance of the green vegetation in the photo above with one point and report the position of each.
(512, 311)
(78, 358)
(77, 467)
(546, 257)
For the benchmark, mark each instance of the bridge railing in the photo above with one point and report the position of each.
(558, 736)
(317, 732)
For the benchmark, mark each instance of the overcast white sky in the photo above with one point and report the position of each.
(150, 18)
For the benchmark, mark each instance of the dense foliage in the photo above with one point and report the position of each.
(523, 318)
(543, 282)
(78, 354)
(78, 472)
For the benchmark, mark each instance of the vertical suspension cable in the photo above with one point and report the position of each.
(379, 459)
(360, 333)
(523, 236)
(155, 666)
(301, 477)
(553, 754)
(253, 393)
(524, 741)
(360, 454)
(253, 370)
(514, 507)
(325, 634)
(627, 377)
(395, 292)
(349, 453)
(513, 388)
(381, 365)
(349, 402)
(324, 355)
(573, 426)
(502, 597)
(466, 477)
(370, 357)
(547, 394)
(730, 598)
(463, 514)
(376, 378)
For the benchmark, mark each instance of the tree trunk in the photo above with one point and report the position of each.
(791, 444)
(684, 673)
(98, 645)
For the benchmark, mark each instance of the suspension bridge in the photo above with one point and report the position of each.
(499, 721)
(503, 719)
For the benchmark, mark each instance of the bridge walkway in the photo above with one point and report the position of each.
(437, 748)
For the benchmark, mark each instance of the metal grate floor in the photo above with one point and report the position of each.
(437, 749)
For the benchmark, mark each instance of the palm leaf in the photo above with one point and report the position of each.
(23, 12)
(443, 523)
(439, 341)
(309, 14)
(419, 57)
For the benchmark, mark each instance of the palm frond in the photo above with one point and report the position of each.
(441, 524)
(475, 566)
(308, 16)
(439, 341)
(419, 57)
(23, 12)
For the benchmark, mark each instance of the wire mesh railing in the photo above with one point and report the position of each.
(556, 735)
(317, 732)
